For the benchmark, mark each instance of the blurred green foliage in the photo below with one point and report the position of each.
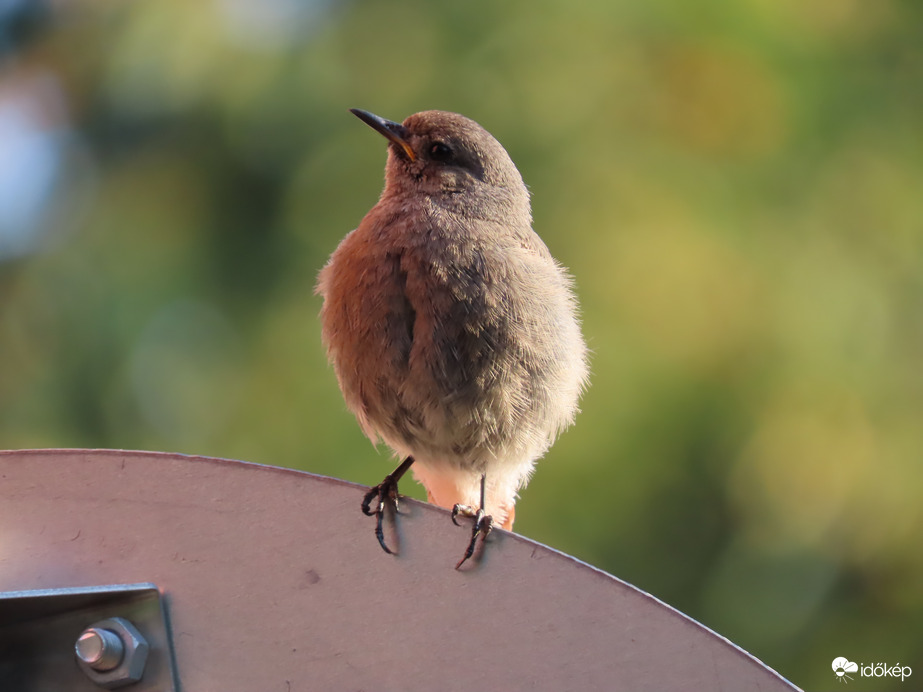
(737, 188)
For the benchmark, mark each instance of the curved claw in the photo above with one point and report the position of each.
(458, 509)
(483, 525)
(380, 535)
(367, 500)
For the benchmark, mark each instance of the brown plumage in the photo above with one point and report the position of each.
(451, 329)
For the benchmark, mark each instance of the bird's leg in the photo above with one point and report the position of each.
(483, 522)
(386, 492)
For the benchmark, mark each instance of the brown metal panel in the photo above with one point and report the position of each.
(274, 581)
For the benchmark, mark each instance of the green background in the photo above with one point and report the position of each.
(737, 188)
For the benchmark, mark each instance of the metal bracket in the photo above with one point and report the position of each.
(86, 638)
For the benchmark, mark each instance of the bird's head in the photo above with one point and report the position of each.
(452, 159)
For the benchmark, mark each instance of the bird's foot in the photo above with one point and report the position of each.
(387, 494)
(483, 524)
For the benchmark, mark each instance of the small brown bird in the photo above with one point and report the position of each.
(451, 329)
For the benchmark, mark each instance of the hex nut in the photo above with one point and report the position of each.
(130, 668)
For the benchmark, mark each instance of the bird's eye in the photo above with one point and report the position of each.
(440, 151)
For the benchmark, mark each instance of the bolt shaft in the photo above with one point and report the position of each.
(99, 648)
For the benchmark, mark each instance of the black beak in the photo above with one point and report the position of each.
(394, 132)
